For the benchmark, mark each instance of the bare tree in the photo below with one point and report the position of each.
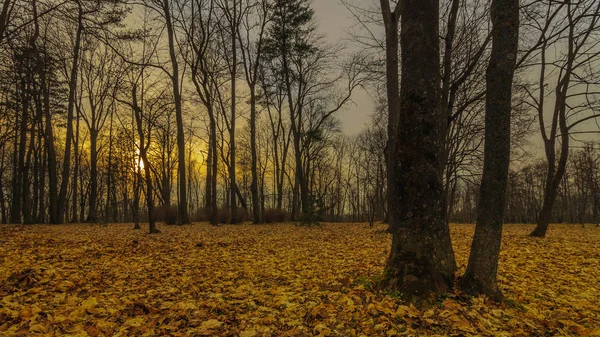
(100, 72)
(565, 52)
(250, 35)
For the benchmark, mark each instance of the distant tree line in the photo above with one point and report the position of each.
(578, 196)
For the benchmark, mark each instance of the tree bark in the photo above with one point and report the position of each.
(421, 263)
(480, 277)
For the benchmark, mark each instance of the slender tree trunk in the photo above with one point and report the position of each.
(4, 219)
(18, 182)
(143, 155)
(208, 187)
(256, 211)
(391, 19)
(421, 263)
(62, 196)
(214, 217)
(15, 201)
(480, 277)
(232, 200)
(110, 186)
(76, 168)
(136, 197)
(93, 199)
(28, 217)
(41, 217)
(54, 215)
(182, 209)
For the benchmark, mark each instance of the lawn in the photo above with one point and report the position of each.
(278, 280)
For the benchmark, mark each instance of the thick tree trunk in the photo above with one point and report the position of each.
(480, 277)
(421, 263)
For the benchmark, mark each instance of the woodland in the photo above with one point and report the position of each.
(180, 167)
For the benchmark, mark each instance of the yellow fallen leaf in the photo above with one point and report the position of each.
(90, 303)
(211, 324)
(134, 322)
(248, 333)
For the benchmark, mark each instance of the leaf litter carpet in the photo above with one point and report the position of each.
(279, 280)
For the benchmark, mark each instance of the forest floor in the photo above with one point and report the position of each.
(278, 280)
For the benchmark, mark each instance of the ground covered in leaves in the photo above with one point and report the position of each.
(278, 280)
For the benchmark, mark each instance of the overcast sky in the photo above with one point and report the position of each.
(334, 20)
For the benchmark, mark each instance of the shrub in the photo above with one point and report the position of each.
(224, 215)
(315, 212)
(275, 215)
(166, 214)
(200, 215)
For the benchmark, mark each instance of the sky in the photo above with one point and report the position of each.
(334, 20)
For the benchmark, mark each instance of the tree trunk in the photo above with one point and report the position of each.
(232, 200)
(421, 263)
(62, 196)
(3, 209)
(208, 186)
(143, 155)
(182, 209)
(19, 167)
(391, 21)
(92, 201)
(76, 168)
(4, 17)
(256, 211)
(214, 211)
(50, 151)
(480, 277)
(136, 198)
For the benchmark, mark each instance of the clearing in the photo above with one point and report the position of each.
(278, 280)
